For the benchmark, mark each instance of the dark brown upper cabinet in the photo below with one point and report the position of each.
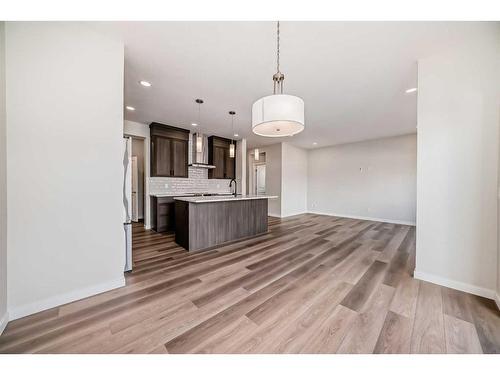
(218, 155)
(169, 151)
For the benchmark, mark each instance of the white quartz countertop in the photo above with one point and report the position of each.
(160, 195)
(223, 198)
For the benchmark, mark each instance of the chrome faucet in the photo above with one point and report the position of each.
(235, 186)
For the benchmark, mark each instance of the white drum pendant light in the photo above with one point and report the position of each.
(278, 115)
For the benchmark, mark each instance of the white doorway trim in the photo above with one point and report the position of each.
(141, 131)
(135, 190)
(259, 180)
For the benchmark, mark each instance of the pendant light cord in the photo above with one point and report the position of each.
(278, 47)
(278, 77)
(199, 114)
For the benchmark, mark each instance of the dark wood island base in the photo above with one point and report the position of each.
(203, 224)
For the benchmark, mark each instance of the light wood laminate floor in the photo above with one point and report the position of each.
(313, 284)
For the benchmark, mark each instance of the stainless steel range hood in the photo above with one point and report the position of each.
(199, 151)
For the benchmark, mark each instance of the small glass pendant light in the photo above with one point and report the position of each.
(232, 145)
(199, 136)
(199, 143)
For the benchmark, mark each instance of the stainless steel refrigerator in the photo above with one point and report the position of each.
(127, 201)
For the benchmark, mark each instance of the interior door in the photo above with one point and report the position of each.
(135, 190)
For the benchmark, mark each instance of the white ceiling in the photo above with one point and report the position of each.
(351, 75)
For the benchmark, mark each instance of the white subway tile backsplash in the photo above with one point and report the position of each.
(197, 182)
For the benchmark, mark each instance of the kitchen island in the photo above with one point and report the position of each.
(163, 208)
(205, 222)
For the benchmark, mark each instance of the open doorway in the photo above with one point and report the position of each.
(137, 180)
(257, 174)
(260, 179)
(134, 184)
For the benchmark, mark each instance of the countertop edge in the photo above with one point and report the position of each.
(223, 199)
(172, 195)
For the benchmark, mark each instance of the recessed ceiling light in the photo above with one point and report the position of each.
(315, 143)
(145, 83)
(236, 135)
(413, 89)
(130, 108)
(194, 124)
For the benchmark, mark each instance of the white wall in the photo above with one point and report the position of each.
(3, 188)
(294, 180)
(136, 129)
(241, 166)
(286, 177)
(64, 164)
(497, 294)
(373, 179)
(273, 175)
(457, 182)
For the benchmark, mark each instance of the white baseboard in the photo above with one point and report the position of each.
(3, 321)
(402, 222)
(412, 223)
(497, 300)
(61, 299)
(294, 214)
(453, 284)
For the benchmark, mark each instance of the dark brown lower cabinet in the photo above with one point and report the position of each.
(163, 214)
